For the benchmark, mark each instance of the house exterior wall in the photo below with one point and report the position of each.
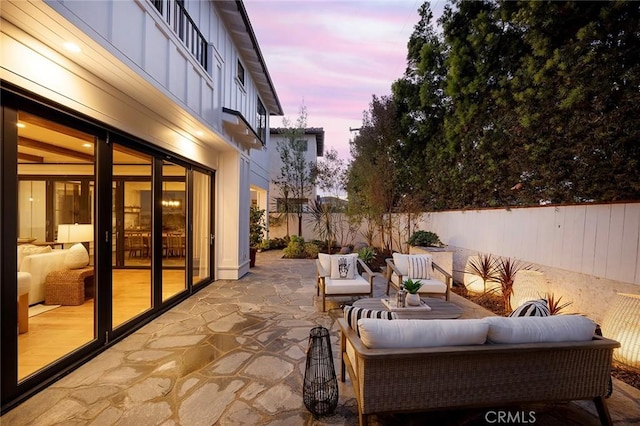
(144, 82)
(275, 165)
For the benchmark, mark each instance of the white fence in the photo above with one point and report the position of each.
(601, 240)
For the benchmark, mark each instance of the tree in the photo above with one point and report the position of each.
(296, 179)
(331, 173)
(372, 182)
(518, 103)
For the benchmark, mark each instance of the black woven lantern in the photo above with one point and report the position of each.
(320, 388)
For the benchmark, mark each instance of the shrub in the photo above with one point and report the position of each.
(295, 248)
(367, 254)
(425, 239)
(278, 243)
(256, 226)
(311, 250)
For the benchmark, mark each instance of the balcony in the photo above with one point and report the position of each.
(176, 16)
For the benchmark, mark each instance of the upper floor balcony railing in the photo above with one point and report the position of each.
(179, 20)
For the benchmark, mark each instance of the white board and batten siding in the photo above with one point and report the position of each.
(602, 240)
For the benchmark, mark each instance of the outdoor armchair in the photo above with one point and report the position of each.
(342, 275)
(418, 267)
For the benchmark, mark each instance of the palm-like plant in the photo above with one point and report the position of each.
(505, 274)
(324, 225)
(484, 267)
(554, 304)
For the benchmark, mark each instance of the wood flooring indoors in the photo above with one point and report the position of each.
(60, 331)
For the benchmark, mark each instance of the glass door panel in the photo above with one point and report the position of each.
(56, 172)
(174, 235)
(131, 234)
(201, 254)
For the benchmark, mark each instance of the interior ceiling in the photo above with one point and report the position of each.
(41, 141)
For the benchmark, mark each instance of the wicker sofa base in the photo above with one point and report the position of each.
(67, 287)
(490, 375)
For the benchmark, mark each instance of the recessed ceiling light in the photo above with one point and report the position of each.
(199, 133)
(21, 125)
(72, 47)
(87, 145)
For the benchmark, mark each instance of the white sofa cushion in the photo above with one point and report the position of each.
(383, 334)
(557, 328)
(77, 257)
(39, 265)
(25, 250)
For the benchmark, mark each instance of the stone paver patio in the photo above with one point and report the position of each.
(234, 354)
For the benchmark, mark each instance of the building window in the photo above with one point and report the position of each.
(292, 205)
(301, 145)
(240, 75)
(261, 122)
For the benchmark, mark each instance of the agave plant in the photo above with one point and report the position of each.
(411, 286)
(484, 267)
(367, 254)
(554, 304)
(505, 274)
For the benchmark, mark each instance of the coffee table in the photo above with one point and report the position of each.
(440, 309)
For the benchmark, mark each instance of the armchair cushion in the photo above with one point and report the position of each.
(343, 267)
(419, 267)
(402, 262)
(325, 264)
(358, 285)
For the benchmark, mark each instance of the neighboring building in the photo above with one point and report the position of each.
(138, 118)
(313, 141)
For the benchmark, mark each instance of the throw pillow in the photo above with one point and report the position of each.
(343, 267)
(419, 267)
(353, 314)
(76, 257)
(532, 308)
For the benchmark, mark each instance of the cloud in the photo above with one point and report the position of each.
(332, 56)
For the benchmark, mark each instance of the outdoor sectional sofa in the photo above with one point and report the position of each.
(408, 370)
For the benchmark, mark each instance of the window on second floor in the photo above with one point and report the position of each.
(240, 73)
(302, 145)
(261, 122)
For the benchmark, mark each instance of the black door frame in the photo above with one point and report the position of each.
(13, 100)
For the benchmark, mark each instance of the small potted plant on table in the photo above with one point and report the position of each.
(412, 287)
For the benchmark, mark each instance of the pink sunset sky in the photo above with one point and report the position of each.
(333, 56)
